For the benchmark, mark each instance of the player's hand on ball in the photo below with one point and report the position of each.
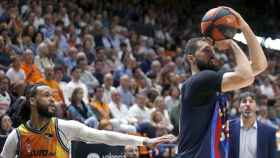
(160, 140)
(224, 44)
(241, 21)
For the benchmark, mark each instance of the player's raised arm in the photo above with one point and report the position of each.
(257, 56)
(242, 75)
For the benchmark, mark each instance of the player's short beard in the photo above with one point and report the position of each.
(44, 111)
(206, 66)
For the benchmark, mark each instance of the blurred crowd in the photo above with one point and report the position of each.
(112, 65)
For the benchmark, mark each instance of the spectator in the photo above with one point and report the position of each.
(48, 27)
(158, 122)
(86, 76)
(134, 87)
(131, 152)
(65, 16)
(111, 62)
(5, 98)
(17, 44)
(267, 89)
(98, 71)
(164, 77)
(139, 109)
(124, 89)
(152, 94)
(126, 69)
(4, 54)
(74, 83)
(88, 48)
(263, 117)
(55, 53)
(43, 59)
(155, 68)
(15, 73)
(172, 100)
(98, 106)
(15, 22)
(17, 89)
(120, 119)
(31, 70)
(6, 125)
(272, 116)
(70, 59)
(160, 106)
(142, 81)
(38, 38)
(112, 39)
(154, 85)
(26, 38)
(180, 67)
(123, 53)
(147, 62)
(108, 88)
(80, 111)
(38, 20)
(61, 39)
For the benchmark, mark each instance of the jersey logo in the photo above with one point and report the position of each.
(40, 152)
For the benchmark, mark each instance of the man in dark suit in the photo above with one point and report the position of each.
(250, 138)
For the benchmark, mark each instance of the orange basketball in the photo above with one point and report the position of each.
(219, 24)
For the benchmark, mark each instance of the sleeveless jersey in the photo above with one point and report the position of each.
(45, 143)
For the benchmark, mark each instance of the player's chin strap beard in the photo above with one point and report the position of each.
(43, 112)
(206, 66)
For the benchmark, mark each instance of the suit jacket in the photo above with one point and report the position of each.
(266, 140)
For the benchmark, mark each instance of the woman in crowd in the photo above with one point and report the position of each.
(80, 111)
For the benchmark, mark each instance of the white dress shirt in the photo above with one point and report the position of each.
(248, 141)
(119, 113)
(107, 94)
(141, 114)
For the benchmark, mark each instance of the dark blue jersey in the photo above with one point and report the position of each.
(200, 116)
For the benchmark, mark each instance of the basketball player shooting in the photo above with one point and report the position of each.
(203, 120)
(43, 135)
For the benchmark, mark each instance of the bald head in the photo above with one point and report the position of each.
(108, 80)
(81, 55)
(116, 97)
(28, 56)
